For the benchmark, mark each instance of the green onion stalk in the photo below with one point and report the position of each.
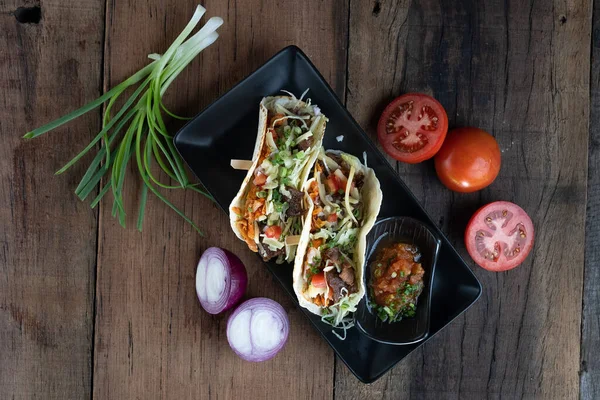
(145, 134)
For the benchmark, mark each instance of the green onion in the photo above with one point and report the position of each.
(144, 135)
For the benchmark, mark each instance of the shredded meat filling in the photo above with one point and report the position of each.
(295, 202)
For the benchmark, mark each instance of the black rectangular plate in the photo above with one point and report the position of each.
(227, 130)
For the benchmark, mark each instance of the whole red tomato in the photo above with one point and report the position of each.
(469, 160)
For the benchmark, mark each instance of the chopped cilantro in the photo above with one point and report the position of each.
(280, 207)
(276, 196)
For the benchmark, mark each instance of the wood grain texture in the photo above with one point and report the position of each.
(590, 331)
(152, 338)
(47, 236)
(519, 69)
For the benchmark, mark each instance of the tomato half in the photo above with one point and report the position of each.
(499, 236)
(318, 280)
(412, 128)
(469, 160)
(273, 231)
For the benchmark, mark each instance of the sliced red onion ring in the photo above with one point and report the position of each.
(258, 329)
(221, 280)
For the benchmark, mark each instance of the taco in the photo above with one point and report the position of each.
(345, 198)
(268, 208)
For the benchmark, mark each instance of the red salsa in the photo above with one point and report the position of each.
(396, 281)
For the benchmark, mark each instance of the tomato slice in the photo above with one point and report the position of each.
(273, 231)
(318, 280)
(412, 128)
(499, 236)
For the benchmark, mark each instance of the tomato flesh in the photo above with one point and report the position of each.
(273, 231)
(259, 178)
(499, 236)
(469, 160)
(412, 128)
(318, 280)
(334, 183)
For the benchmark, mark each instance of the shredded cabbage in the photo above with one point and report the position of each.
(274, 244)
(335, 315)
(304, 94)
(332, 165)
(273, 216)
(290, 251)
(338, 172)
(284, 191)
(323, 234)
(347, 235)
(271, 183)
(287, 227)
(346, 197)
(315, 123)
(270, 141)
(303, 137)
(269, 168)
(256, 230)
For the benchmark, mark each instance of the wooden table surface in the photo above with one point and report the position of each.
(89, 309)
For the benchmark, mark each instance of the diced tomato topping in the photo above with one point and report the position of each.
(259, 178)
(330, 182)
(273, 231)
(332, 217)
(318, 280)
(334, 184)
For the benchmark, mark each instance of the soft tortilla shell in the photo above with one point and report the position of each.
(372, 196)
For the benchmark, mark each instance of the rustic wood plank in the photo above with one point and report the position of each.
(519, 69)
(152, 338)
(50, 64)
(590, 341)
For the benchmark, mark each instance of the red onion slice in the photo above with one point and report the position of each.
(258, 329)
(221, 280)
